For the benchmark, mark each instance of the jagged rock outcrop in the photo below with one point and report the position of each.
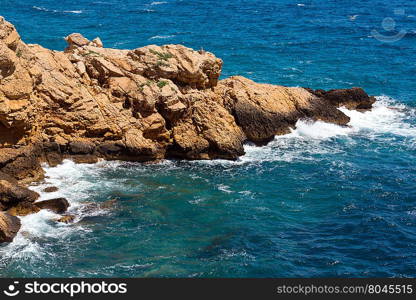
(143, 104)
(58, 205)
(89, 102)
(264, 110)
(355, 98)
(12, 194)
(66, 219)
(23, 209)
(9, 226)
(50, 189)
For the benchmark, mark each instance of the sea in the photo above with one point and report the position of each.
(321, 201)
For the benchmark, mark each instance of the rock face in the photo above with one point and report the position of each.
(144, 104)
(23, 209)
(355, 98)
(50, 189)
(89, 102)
(58, 205)
(264, 110)
(66, 219)
(12, 194)
(9, 226)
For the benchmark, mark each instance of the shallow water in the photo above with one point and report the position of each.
(320, 201)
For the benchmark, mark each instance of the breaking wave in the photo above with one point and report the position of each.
(386, 117)
(75, 183)
(57, 11)
(161, 37)
(309, 141)
(158, 3)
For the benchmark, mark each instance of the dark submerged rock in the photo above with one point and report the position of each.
(58, 205)
(66, 219)
(50, 189)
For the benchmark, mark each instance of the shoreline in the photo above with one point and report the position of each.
(151, 103)
(310, 142)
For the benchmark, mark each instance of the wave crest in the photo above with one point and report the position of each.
(57, 11)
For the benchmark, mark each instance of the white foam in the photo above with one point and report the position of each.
(40, 8)
(387, 116)
(161, 37)
(319, 130)
(74, 183)
(224, 188)
(158, 3)
(57, 11)
(73, 11)
(37, 229)
(308, 141)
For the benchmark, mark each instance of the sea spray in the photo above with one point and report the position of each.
(39, 230)
(308, 138)
(200, 213)
(387, 117)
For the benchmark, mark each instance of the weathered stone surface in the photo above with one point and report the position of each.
(264, 110)
(182, 65)
(10, 179)
(354, 98)
(9, 226)
(50, 189)
(22, 163)
(58, 205)
(23, 209)
(8, 35)
(76, 40)
(78, 147)
(89, 103)
(146, 104)
(208, 132)
(66, 219)
(97, 42)
(12, 194)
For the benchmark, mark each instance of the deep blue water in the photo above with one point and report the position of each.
(322, 201)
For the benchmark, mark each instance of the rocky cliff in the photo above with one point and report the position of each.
(90, 102)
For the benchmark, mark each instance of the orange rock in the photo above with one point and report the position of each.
(9, 226)
(58, 205)
(145, 104)
(66, 219)
(12, 194)
(23, 209)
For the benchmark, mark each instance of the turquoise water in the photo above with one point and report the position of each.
(321, 201)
